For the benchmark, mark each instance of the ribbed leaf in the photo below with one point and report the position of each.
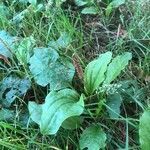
(116, 66)
(57, 108)
(95, 72)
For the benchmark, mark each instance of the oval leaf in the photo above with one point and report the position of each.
(116, 66)
(93, 138)
(95, 72)
(57, 108)
(144, 130)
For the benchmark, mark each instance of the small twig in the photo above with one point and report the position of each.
(118, 31)
(76, 63)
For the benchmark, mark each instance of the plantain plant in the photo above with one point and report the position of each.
(63, 103)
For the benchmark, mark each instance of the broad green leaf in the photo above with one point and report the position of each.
(35, 111)
(57, 108)
(93, 138)
(90, 10)
(47, 67)
(144, 130)
(11, 88)
(116, 66)
(84, 2)
(23, 49)
(6, 44)
(94, 73)
(114, 102)
(6, 114)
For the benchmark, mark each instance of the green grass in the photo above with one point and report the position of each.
(91, 35)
